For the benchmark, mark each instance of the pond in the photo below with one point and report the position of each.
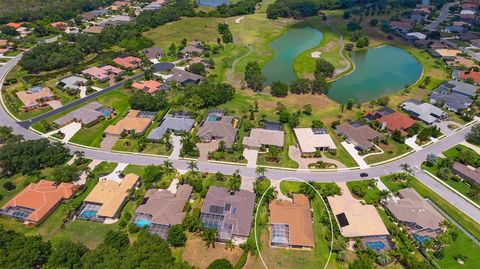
(378, 71)
(212, 3)
(287, 48)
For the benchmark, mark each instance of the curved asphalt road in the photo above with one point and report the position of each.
(414, 159)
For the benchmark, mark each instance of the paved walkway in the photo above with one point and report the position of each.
(295, 154)
(340, 52)
(83, 177)
(173, 186)
(83, 91)
(115, 175)
(350, 148)
(247, 183)
(411, 143)
(177, 146)
(251, 156)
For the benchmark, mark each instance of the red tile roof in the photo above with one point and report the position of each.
(150, 86)
(128, 62)
(475, 75)
(15, 24)
(42, 197)
(396, 121)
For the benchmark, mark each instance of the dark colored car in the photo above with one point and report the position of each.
(363, 175)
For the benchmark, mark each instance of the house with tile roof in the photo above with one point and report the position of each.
(450, 100)
(102, 73)
(359, 134)
(218, 126)
(32, 99)
(150, 86)
(230, 213)
(135, 122)
(468, 74)
(259, 138)
(160, 209)
(153, 53)
(34, 203)
(87, 115)
(416, 215)
(72, 83)
(173, 123)
(107, 198)
(128, 62)
(459, 87)
(467, 173)
(291, 224)
(391, 120)
(311, 140)
(183, 77)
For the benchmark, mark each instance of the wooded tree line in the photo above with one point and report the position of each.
(298, 8)
(116, 251)
(28, 156)
(56, 10)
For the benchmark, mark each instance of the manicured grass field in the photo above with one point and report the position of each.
(371, 194)
(458, 150)
(392, 150)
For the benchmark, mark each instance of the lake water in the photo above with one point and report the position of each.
(212, 3)
(287, 48)
(379, 71)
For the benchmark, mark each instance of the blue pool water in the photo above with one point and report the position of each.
(142, 222)
(88, 214)
(212, 118)
(375, 245)
(420, 239)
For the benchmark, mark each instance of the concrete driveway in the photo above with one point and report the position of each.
(354, 153)
(108, 142)
(443, 125)
(295, 154)
(54, 104)
(177, 146)
(115, 175)
(411, 143)
(205, 148)
(68, 130)
(251, 156)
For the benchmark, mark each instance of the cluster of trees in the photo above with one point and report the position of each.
(254, 77)
(150, 102)
(53, 10)
(50, 56)
(298, 8)
(28, 156)
(206, 94)
(360, 39)
(474, 135)
(224, 30)
(116, 251)
(241, 7)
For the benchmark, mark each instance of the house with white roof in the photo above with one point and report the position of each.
(311, 140)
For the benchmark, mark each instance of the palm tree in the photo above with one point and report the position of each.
(168, 166)
(260, 171)
(192, 166)
(237, 174)
(209, 236)
(234, 184)
(406, 168)
(229, 245)
(308, 191)
(474, 193)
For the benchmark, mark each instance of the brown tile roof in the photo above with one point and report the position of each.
(29, 99)
(466, 172)
(42, 197)
(259, 137)
(361, 135)
(130, 123)
(165, 207)
(111, 194)
(297, 216)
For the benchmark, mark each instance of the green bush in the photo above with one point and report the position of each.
(9, 186)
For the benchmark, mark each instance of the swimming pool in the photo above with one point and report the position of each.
(375, 245)
(88, 214)
(212, 118)
(420, 239)
(142, 222)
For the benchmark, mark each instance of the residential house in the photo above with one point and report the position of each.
(160, 209)
(72, 83)
(35, 97)
(115, 21)
(117, 5)
(455, 29)
(94, 29)
(175, 123)
(461, 61)
(467, 173)
(359, 134)
(460, 87)
(416, 215)
(425, 112)
(107, 198)
(218, 126)
(135, 122)
(34, 203)
(154, 6)
(102, 73)
(183, 77)
(259, 138)
(193, 47)
(87, 115)
(401, 26)
(150, 86)
(162, 67)
(230, 213)
(15, 25)
(128, 62)
(450, 100)
(357, 220)
(88, 16)
(446, 54)
(468, 74)
(291, 224)
(391, 120)
(60, 25)
(153, 53)
(312, 140)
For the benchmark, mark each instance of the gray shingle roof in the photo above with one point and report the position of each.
(459, 87)
(86, 115)
(170, 123)
(183, 77)
(453, 101)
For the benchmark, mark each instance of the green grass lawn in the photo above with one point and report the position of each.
(102, 169)
(285, 160)
(466, 222)
(366, 190)
(392, 150)
(454, 152)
